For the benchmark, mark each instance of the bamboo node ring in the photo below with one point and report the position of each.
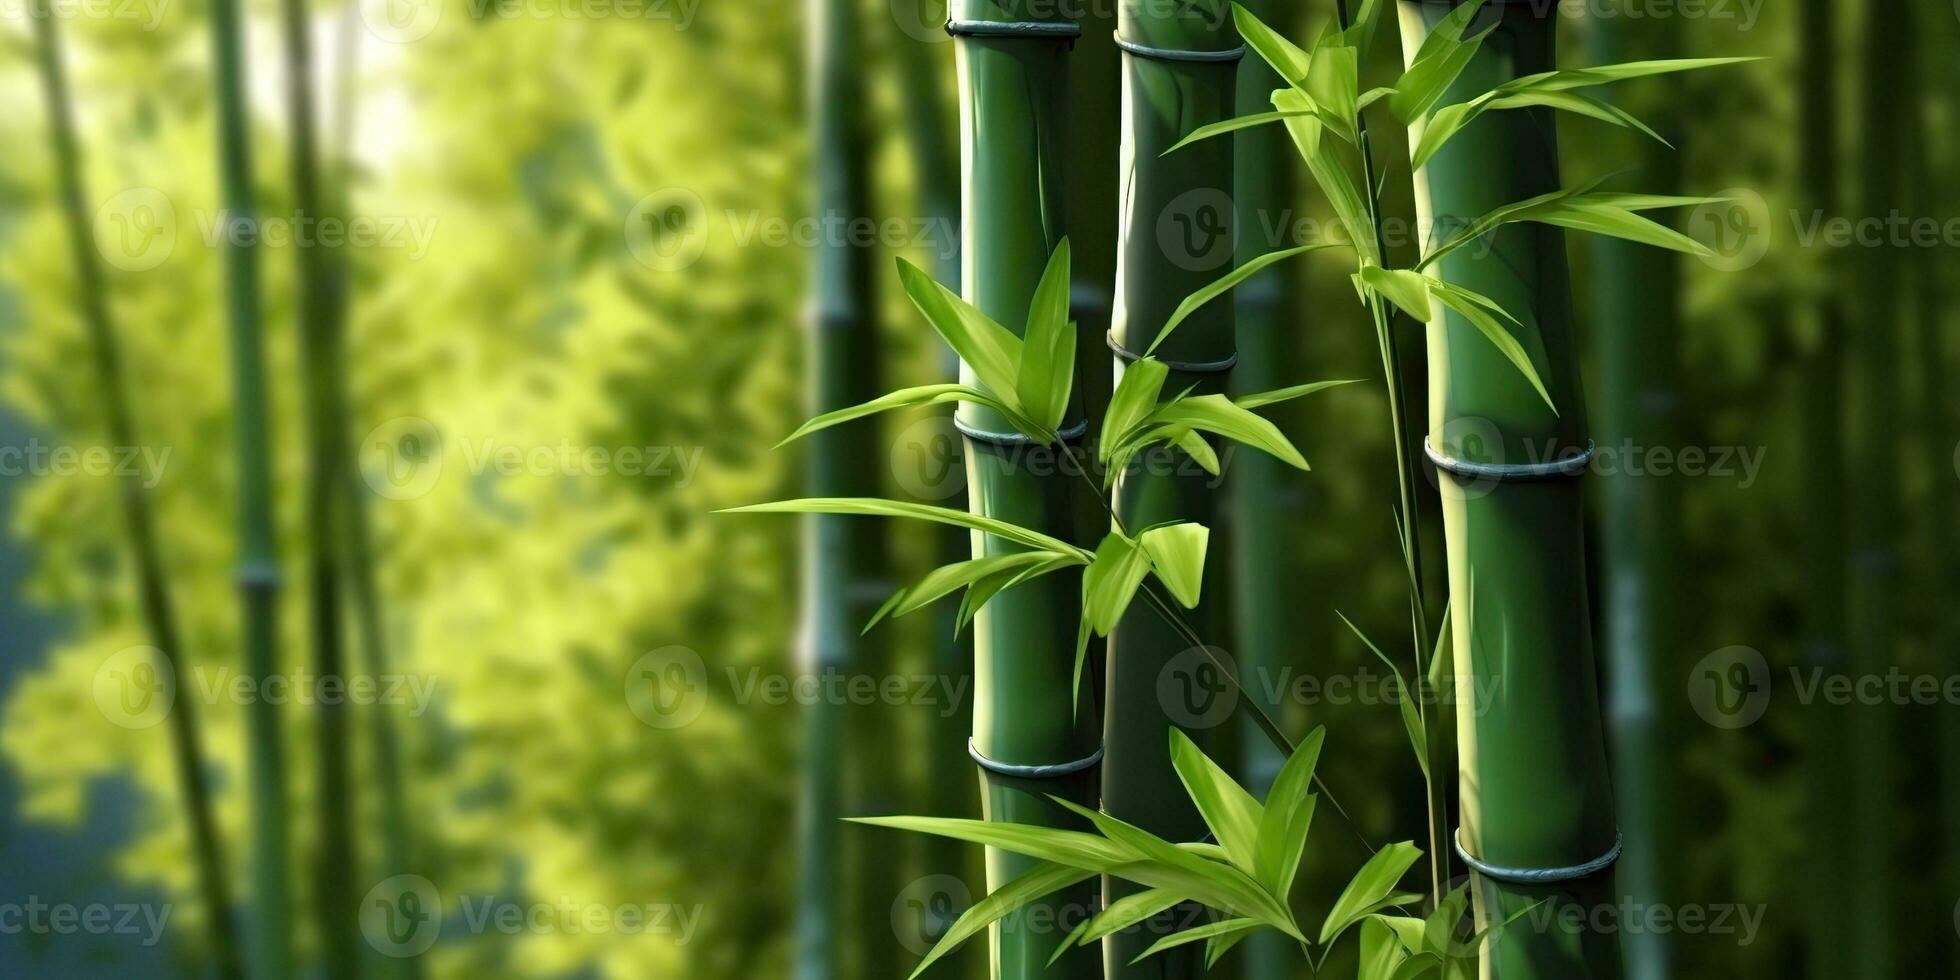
(1129, 356)
(1070, 434)
(1057, 30)
(1179, 54)
(1055, 771)
(1540, 876)
(1567, 467)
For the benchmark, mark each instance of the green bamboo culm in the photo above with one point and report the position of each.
(1263, 637)
(1034, 733)
(321, 293)
(1175, 227)
(258, 575)
(1537, 821)
(1873, 416)
(159, 615)
(848, 762)
(1635, 290)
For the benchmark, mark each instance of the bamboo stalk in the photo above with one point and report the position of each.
(1635, 290)
(159, 614)
(1176, 211)
(1013, 64)
(321, 293)
(1532, 763)
(847, 557)
(258, 574)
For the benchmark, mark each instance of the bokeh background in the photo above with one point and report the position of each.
(581, 243)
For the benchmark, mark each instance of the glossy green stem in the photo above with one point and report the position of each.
(1532, 760)
(1012, 133)
(258, 575)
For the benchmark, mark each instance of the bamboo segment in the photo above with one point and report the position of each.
(1013, 71)
(159, 615)
(1176, 225)
(1635, 290)
(258, 576)
(1535, 796)
(849, 761)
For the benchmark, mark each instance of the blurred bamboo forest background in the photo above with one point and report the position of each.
(581, 240)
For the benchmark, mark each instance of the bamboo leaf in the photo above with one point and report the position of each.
(1412, 724)
(1602, 74)
(1476, 309)
(1111, 581)
(1165, 865)
(1443, 56)
(1283, 55)
(1047, 367)
(1070, 848)
(1218, 287)
(1194, 446)
(1218, 415)
(1222, 127)
(1132, 402)
(989, 348)
(1177, 553)
(1333, 172)
(979, 593)
(1409, 291)
(1263, 398)
(875, 507)
(1037, 883)
(1333, 77)
(1217, 946)
(1382, 950)
(1502, 215)
(946, 579)
(1213, 930)
(1584, 105)
(1231, 813)
(1288, 817)
(1120, 915)
(1371, 888)
(1439, 661)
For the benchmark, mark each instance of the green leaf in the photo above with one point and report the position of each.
(1038, 882)
(1213, 930)
(1283, 55)
(1132, 402)
(1263, 398)
(1165, 865)
(979, 593)
(1111, 581)
(1443, 56)
(1360, 33)
(903, 398)
(1407, 290)
(1477, 309)
(1603, 74)
(1217, 946)
(1177, 553)
(1333, 77)
(1047, 367)
(1120, 915)
(875, 507)
(1222, 127)
(1371, 888)
(1584, 105)
(989, 348)
(1218, 415)
(946, 579)
(1194, 446)
(1070, 848)
(1231, 813)
(1439, 659)
(1288, 817)
(1412, 724)
(1382, 951)
(1443, 124)
(1333, 172)
(1218, 287)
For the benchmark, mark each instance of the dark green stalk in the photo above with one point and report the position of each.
(1874, 418)
(1176, 237)
(1095, 131)
(1013, 83)
(1263, 594)
(1826, 549)
(258, 575)
(844, 581)
(158, 612)
(1534, 786)
(1634, 296)
(321, 294)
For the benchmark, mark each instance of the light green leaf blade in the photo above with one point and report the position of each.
(1443, 56)
(1217, 288)
(1409, 291)
(1476, 309)
(1231, 813)
(875, 507)
(1263, 398)
(902, 398)
(1288, 817)
(1177, 553)
(1132, 402)
(1070, 848)
(1333, 78)
(989, 348)
(1220, 416)
(1046, 370)
(1111, 581)
(1194, 446)
(1412, 724)
(1037, 883)
(946, 579)
(1371, 887)
(1213, 930)
(1222, 127)
(1283, 55)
